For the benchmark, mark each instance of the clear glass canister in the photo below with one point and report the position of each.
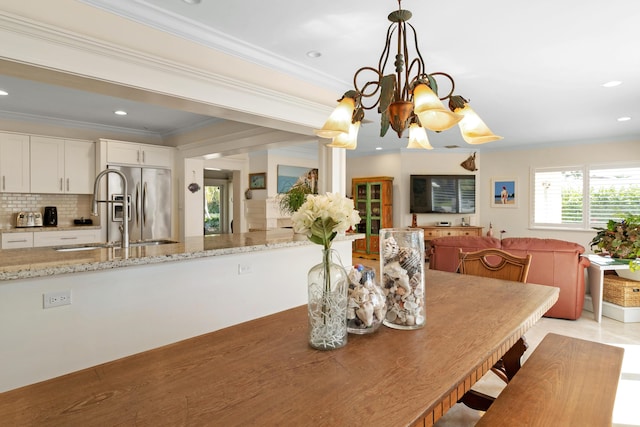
(402, 271)
(367, 304)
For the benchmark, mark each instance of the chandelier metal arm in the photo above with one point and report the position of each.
(406, 96)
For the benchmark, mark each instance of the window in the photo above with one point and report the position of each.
(584, 197)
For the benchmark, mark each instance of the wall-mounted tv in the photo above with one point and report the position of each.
(442, 194)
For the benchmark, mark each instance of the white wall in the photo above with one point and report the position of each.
(400, 166)
(519, 163)
(491, 164)
(123, 311)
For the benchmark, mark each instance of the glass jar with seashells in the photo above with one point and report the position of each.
(367, 304)
(402, 267)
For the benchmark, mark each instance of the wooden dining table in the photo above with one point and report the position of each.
(263, 372)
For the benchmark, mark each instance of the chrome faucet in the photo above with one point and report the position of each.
(124, 228)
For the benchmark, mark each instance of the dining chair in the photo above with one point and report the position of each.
(498, 264)
(494, 263)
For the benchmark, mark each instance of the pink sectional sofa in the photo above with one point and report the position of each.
(553, 262)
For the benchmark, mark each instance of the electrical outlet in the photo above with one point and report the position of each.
(56, 299)
(245, 268)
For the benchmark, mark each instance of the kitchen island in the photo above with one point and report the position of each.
(123, 303)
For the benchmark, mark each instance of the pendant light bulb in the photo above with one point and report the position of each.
(473, 129)
(339, 121)
(431, 111)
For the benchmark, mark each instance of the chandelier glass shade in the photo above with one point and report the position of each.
(407, 97)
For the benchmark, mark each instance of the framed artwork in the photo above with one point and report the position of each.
(504, 193)
(288, 176)
(258, 181)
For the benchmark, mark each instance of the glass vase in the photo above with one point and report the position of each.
(328, 285)
(367, 304)
(402, 267)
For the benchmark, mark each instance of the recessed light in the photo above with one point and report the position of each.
(314, 54)
(192, 1)
(612, 83)
(624, 119)
(3, 93)
(378, 148)
(120, 113)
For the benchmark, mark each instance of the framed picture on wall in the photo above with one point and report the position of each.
(258, 181)
(504, 193)
(288, 176)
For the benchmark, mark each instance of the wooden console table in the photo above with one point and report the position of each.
(263, 372)
(431, 232)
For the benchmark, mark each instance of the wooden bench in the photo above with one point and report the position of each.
(565, 382)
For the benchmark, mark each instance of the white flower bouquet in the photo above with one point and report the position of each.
(322, 217)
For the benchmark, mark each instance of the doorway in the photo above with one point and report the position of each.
(216, 216)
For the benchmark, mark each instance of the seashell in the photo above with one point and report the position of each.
(403, 282)
(410, 259)
(365, 313)
(351, 313)
(391, 315)
(391, 248)
(393, 270)
(411, 320)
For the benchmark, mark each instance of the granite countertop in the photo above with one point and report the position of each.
(46, 261)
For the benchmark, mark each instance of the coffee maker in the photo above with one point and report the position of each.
(50, 216)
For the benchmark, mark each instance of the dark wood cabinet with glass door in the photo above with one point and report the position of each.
(373, 198)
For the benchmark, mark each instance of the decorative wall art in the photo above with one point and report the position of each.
(258, 181)
(288, 176)
(504, 193)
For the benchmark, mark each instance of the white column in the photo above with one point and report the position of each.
(333, 169)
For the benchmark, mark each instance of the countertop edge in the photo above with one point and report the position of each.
(33, 270)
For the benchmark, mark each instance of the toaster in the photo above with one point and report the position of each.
(22, 219)
(29, 219)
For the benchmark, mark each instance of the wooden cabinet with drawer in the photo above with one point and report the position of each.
(431, 232)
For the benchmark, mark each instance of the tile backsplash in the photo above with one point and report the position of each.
(70, 206)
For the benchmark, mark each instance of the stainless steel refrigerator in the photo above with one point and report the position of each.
(150, 209)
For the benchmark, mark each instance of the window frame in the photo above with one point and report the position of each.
(585, 169)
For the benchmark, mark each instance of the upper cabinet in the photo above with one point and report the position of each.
(60, 166)
(128, 153)
(14, 163)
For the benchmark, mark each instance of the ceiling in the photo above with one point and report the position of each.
(532, 70)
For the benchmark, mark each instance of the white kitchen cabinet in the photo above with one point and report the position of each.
(17, 240)
(62, 166)
(14, 163)
(65, 237)
(129, 153)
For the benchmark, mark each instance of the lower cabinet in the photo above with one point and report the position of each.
(61, 238)
(17, 240)
(35, 239)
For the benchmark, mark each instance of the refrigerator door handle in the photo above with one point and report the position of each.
(137, 203)
(144, 203)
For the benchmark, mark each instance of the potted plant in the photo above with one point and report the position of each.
(620, 239)
(291, 201)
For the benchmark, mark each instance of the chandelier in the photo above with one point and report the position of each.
(408, 97)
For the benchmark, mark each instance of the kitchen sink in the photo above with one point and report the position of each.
(88, 247)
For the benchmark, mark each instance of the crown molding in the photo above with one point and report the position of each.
(148, 14)
(34, 43)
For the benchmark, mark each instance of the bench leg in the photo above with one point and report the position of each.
(506, 368)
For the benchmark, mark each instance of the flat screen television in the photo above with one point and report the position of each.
(443, 194)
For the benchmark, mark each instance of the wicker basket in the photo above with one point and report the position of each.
(621, 291)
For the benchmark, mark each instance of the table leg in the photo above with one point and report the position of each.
(595, 277)
(510, 365)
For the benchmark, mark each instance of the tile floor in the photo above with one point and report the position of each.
(627, 335)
